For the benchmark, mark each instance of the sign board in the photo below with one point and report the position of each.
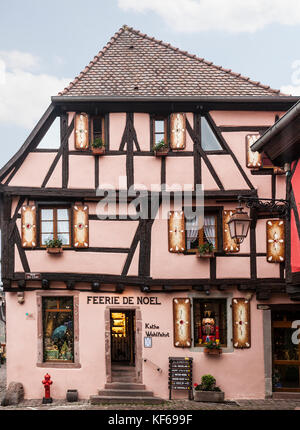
(181, 375)
(33, 276)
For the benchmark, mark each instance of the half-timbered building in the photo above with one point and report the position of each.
(101, 296)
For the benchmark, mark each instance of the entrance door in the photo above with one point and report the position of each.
(286, 354)
(122, 325)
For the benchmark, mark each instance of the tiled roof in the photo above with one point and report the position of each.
(134, 64)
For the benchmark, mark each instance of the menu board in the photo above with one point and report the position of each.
(180, 375)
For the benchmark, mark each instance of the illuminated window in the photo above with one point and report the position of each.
(210, 321)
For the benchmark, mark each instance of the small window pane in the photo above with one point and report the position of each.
(64, 237)
(62, 214)
(47, 214)
(159, 138)
(209, 142)
(58, 332)
(159, 126)
(47, 227)
(62, 226)
(46, 237)
(50, 303)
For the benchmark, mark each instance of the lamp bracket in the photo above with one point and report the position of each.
(278, 206)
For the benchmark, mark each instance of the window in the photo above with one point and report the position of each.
(159, 130)
(209, 141)
(210, 321)
(206, 234)
(58, 334)
(97, 128)
(55, 224)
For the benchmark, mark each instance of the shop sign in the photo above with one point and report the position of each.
(125, 300)
(33, 276)
(180, 374)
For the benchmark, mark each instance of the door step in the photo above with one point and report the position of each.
(124, 386)
(124, 393)
(277, 395)
(95, 400)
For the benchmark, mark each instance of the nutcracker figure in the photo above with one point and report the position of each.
(47, 382)
(208, 330)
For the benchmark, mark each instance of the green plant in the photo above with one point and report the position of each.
(206, 248)
(54, 243)
(159, 146)
(98, 143)
(208, 383)
(212, 345)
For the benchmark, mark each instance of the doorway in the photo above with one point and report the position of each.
(122, 334)
(285, 352)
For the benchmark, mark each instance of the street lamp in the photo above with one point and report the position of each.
(239, 224)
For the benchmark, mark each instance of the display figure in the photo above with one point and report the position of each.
(208, 330)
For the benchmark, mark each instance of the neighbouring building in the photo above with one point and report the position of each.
(128, 292)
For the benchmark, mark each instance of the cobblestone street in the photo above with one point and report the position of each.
(167, 405)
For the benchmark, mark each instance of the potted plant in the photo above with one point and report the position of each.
(98, 146)
(161, 148)
(205, 250)
(207, 391)
(54, 246)
(212, 348)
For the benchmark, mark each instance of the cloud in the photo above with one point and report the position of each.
(24, 95)
(293, 90)
(234, 16)
(294, 87)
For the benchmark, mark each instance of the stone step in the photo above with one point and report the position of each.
(125, 393)
(130, 378)
(95, 400)
(124, 386)
(277, 395)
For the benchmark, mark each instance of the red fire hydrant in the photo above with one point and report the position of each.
(47, 382)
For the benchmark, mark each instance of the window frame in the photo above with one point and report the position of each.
(216, 133)
(54, 221)
(166, 120)
(103, 134)
(212, 211)
(40, 335)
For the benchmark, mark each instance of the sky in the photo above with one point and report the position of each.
(44, 44)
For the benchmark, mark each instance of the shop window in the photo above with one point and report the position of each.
(58, 329)
(55, 224)
(160, 130)
(209, 140)
(210, 321)
(196, 236)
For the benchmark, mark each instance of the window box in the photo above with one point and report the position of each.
(162, 152)
(54, 250)
(205, 254)
(98, 151)
(213, 351)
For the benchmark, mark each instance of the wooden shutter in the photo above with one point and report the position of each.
(28, 223)
(81, 131)
(229, 245)
(176, 228)
(241, 323)
(81, 226)
(275, 241)
(253, 159)
(178, 129)
(182, 322)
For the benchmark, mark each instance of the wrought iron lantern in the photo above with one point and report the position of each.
(239, 224)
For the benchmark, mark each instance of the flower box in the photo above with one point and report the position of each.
(54, 250)
(213, 351)
(161, 152)
(205, 254)
(209, 396)
(98, 151)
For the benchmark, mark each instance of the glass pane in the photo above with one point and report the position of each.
(58, 334)
(50, 303)
(210, 321)
(65, 303)
(159, 137)
(209, 142)
(62, 214)
(65, 238)
(209, 229)
(285, 376)
(159, 126)
(47, 227)
(62, 226)
(47, 214)
(284, 349)
(46, 237)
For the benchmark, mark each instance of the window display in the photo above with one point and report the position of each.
(58, 329)
(210, 322)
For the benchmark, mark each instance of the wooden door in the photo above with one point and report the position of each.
(122, 325)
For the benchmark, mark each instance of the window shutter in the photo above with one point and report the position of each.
(28, 222)
(182, 322)
(81, 131)
(178, 130)
(253, 159)
(275, 241)
(176, 227)
(241, 323)
(81, 226)
(229, 245)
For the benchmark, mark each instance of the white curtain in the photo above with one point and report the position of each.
(210, 229)
(192, 229)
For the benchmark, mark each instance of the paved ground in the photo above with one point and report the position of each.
(168, 405)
